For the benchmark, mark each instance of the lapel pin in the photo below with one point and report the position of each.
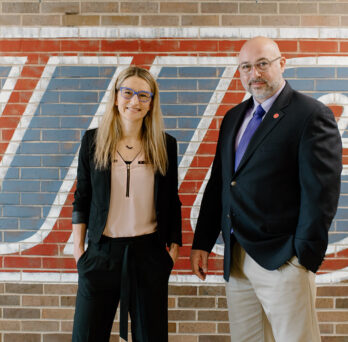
(276, 116)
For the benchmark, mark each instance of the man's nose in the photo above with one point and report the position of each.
(254, 71)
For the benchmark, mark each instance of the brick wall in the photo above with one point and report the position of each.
(305, 13)
(57, 60)
(44, 313)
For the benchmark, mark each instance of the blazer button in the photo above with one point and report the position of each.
(233, 183)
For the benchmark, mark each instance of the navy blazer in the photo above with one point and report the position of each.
(92, 195)
(283, 196)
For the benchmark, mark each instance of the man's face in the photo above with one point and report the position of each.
(264, 78)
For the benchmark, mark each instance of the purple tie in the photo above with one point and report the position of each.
(248, 133)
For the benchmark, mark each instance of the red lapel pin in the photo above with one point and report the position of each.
(276, 116)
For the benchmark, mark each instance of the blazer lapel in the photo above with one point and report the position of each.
(273, 117)
(230, 133)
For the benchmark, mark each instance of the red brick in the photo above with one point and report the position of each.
(159, 45)
(7, 45)
(212, 135)
(190, 187)
(197, 174)
(196, 45)
(22, 262)
(64, 224)
(60, 262)
(44, 45)
(145, 60)
(57, 236)
(43, 249)
(229, 45)
(318, 46)
(204, 161)
(32, 71)
(119, 45)
(80, 45)
(187, 238)
(27, 83)
(287, 46)
(14, 109)
(66, 211)
(207, 148)
(183, 264)
(334, 264)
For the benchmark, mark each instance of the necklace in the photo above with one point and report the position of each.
(129, 147)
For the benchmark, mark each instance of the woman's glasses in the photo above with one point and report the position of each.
(128, 93)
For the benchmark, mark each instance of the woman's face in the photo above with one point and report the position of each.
(132, 109)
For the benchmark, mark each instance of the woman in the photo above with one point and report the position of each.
(127, 200)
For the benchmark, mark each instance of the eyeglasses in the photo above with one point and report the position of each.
(128, 93)
(261, 66)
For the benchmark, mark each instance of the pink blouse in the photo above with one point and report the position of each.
(132, 206)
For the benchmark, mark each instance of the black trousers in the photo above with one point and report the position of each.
(133, 271)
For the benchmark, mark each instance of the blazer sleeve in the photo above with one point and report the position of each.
(82, 195)
(209, 220)
(320, 166)
(175, 234)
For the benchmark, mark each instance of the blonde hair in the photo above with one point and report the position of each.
(109, 132)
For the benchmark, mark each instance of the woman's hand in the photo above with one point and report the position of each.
(78, 251)
(174, 251)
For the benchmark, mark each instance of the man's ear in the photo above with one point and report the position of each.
(282, 63)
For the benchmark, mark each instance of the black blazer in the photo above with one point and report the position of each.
(92, 195)
(282, 198)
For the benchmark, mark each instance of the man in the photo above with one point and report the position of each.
(273, 191)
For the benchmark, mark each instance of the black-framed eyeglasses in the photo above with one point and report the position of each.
(262, 65)
(128, 93)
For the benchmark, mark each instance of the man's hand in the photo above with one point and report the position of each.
(199, 263)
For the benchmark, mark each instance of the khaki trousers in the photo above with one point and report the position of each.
(271, 306)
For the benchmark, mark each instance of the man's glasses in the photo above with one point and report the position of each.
(128, 93)
(261, 66)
